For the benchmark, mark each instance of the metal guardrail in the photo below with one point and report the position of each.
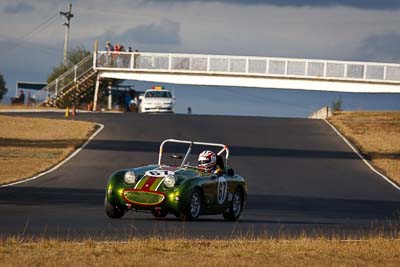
(65, 80)
(250, 66)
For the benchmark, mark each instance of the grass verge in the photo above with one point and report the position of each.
(376, 135)
(32, 145)
(195, 252)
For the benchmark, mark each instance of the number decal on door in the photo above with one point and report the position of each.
(222, 190)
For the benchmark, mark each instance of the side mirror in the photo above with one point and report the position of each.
(230, 172)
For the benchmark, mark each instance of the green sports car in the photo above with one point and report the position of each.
(184, 190)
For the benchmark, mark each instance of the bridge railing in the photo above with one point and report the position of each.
(250, 66)
(65, 80)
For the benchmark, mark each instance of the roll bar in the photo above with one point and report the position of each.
(191, 143)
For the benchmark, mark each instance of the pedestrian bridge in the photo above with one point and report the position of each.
(262, 72)
(82, 82)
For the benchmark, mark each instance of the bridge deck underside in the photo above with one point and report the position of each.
(252, 81)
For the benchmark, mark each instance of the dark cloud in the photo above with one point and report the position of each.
(17, 8)
(167, 32)
(361, 4)
(384, 47)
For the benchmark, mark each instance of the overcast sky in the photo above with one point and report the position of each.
(32, 35)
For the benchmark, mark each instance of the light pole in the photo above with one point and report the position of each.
(68, 15)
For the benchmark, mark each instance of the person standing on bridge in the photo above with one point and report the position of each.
(109, 48)
(117, 49)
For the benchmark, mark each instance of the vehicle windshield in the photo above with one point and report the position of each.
(180, 153)
(165, 94)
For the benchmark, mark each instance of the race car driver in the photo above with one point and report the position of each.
(208, 162)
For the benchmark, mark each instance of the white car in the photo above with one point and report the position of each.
(155, 101)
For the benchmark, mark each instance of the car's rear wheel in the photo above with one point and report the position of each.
(236, 206)
(113, 211)
(195, 204)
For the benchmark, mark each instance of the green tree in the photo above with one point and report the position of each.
(3, 88)
(75, 55)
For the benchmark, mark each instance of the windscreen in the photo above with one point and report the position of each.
(165, 94)
(174, 153)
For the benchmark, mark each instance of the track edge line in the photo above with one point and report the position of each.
(62, 162)
(372, 168)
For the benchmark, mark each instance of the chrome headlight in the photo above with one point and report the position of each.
(169, 180)
(130, 177)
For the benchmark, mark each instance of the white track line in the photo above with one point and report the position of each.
(61, 163)
(362, 157)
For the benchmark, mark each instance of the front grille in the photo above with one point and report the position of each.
(146, 198)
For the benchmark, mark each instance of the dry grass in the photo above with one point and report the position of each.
(31, 145)
(377, 136)
(190, 252)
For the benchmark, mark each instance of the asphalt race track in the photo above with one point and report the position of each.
(301, 176)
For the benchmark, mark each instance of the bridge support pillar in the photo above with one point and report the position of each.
(96, 92)
(109, 104)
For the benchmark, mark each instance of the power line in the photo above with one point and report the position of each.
(38, 28)
(41, 27)
(23, 40)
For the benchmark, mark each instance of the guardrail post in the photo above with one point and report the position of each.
(306, 69)
(247, 65)
(95, 61)
(208, 63)
(365, 72)
(95, 50)
(132, 60)
(286, 67)
(325, 68)
(384, 72)
(345, 70)
(169, 61)
(75, 71)
(56, 87)
(190, 63)
(267, 68)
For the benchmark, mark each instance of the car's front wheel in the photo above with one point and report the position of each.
(236, 207)
(195, 204)
(113, 211)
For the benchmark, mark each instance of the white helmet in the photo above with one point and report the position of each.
(207, 160)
